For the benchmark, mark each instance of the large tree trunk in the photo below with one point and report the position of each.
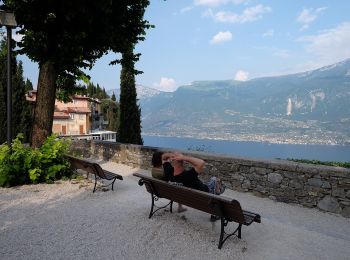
(45, 103)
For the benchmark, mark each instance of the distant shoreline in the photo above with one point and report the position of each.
(240, 139)
(253, 149)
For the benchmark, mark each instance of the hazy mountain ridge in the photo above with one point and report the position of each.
(308, 107)
(142, 92)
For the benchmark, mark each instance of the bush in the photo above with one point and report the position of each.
(23, 165)
(339, 164)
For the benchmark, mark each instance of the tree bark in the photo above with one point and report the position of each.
(45, 103)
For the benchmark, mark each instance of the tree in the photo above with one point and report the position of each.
(113, 97)
(130, 113)
(110, 111)
(3, 87)
(64, 36)
(21, 113)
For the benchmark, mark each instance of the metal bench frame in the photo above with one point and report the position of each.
(94, 168)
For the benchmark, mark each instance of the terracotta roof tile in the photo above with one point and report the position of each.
(79, 110)
(61, 115)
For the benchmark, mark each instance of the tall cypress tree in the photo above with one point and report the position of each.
(113, 97)
(3, 87)
(21, 113)
(130, 112)
(21, 119)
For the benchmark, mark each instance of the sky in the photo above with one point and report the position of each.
(197, 40)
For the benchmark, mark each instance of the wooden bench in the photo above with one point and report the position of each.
(93, 168)
(229, 210)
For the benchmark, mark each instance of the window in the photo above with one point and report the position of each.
(81, 116)
(71, 116)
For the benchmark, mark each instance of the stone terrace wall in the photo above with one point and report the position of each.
(327, 188)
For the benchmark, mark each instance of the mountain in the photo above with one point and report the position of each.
(309, 107)
(142, 92)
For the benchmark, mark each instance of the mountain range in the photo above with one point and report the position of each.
(308, 107)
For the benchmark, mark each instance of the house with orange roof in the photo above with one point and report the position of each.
(78, 117)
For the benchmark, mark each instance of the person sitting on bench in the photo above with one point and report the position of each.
(174, 171)
(157, 172)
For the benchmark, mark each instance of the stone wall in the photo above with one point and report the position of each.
(327, 188)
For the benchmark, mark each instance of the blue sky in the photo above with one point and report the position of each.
(231, 39)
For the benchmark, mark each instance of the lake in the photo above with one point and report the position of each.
(339, 153)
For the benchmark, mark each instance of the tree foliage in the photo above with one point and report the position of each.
(113, 97)
(95, 91)
(64, 36)
(110, 112)
(130, 112)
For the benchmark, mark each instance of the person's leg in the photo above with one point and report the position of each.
(181, 208)
(211, 186)
(216, 186)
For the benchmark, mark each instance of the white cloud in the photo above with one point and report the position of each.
(218, 2)
(17, 37)
(329, 46)
(250, 14)
(241, 75)
(307, 16)
(221, 37)
(186, 9)
(269, 33)
(165, 84)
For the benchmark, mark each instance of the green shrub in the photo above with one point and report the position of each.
(339, 164)
(23, 165)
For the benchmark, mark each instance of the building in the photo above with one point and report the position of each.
(79, 117)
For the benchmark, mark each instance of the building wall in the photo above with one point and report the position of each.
(324, 187)
(77, 121)
(72, 124)
(57, 126)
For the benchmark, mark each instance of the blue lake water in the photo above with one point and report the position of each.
(339, 153)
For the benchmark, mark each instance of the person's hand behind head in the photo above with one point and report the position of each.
(177, 156)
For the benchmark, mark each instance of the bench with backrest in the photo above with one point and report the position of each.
(229, 210)
(93, 168)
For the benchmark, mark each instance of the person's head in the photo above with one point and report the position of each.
(177, 164)
(157, 159)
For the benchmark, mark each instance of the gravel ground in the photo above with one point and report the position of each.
(67, 221)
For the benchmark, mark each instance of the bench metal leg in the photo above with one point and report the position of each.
(154, 198)
(222, 234)
(95, 184)
(219, 208)
(113, 182)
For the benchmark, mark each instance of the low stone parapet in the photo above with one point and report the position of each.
(324, 187)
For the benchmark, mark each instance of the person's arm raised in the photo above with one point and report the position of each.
(166, 157)
(198, 164)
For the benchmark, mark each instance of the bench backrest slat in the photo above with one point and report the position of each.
(99, 171)
(78, 163)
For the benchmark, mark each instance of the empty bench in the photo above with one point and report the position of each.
(93, 168)
(229, 210)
